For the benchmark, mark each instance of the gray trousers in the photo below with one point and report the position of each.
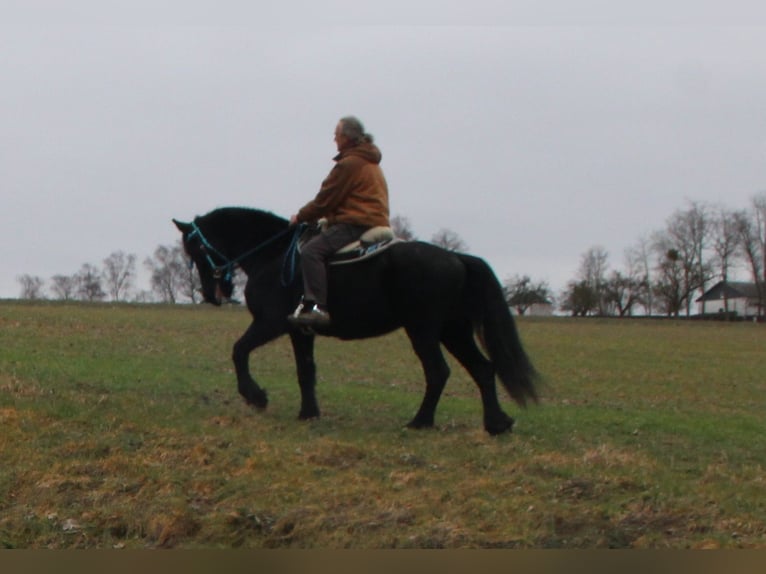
(315, 253)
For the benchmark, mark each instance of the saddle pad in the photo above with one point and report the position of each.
(369, 237)
(361, 251)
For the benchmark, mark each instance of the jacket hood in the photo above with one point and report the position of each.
(367, 151)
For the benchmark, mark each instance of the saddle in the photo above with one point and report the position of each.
(372, 242)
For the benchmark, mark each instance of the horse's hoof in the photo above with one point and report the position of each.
(417, 425)
(501, 427)
(258, 404)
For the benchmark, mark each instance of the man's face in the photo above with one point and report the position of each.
(340, 139)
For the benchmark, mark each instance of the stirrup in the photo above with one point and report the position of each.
(309, 317)
(298, 310)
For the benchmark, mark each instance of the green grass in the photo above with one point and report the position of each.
(122, 427)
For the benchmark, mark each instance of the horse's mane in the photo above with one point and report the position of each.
(243, 217)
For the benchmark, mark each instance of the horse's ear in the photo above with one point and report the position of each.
(183, 227)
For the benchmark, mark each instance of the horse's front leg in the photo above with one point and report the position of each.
(257, 334)
(303, 348)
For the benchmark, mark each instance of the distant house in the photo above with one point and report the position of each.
(741, 299)
(536, 310)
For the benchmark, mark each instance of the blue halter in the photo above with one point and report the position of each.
(226, 269)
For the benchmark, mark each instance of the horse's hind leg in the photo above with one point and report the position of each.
(436, 371)
(458, 339)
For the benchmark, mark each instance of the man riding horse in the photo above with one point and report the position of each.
(443, 300)
(352, 199)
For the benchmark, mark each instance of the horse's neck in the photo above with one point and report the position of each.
(255, 241)
(245, 231)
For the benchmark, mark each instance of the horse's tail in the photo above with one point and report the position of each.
(496, 330)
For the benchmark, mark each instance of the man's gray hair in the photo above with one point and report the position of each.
(353, 129)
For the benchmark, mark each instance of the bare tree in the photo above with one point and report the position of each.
(623, 293)
(669, 287)
(759, 212)
(119, 271)
(579, 299)
(64, 287)
(686, 235)
(751, 232)
(166, 272)
(144, 296)
(593, 266)
(521, 293)
(692, 232)
(638, 266)
(402, 228)
(724, 241)
(31, 287)
(172, 278)
(449, 240)
(89, 283)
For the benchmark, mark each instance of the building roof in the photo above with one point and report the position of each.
(730, 290)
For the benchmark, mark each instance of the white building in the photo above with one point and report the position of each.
(738, 298)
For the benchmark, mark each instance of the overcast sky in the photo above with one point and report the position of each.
(534, 135)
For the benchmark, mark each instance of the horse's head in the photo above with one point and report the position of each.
(215, 271)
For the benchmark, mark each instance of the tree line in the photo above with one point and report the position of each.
(662, 272)
(172, 280)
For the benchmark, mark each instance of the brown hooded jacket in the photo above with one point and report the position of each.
(354, 192)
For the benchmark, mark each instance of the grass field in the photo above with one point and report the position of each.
(121, 427)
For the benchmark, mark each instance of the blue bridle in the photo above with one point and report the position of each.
(227, 268)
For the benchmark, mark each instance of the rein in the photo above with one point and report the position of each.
(288, 264)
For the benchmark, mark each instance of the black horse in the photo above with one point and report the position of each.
(439, 297)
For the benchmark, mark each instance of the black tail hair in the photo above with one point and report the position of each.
(496, 330)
